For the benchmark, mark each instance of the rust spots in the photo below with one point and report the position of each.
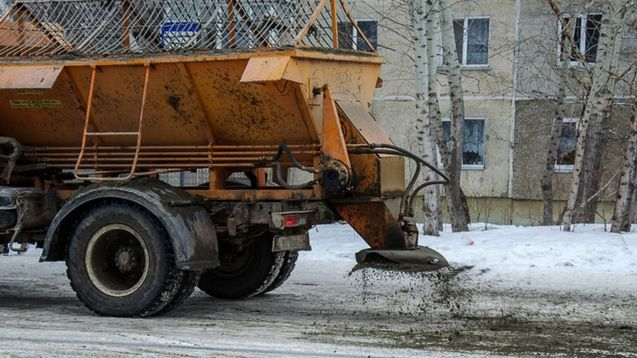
(174, 102)
(375, 224)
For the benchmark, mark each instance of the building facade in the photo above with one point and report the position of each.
(509, 51)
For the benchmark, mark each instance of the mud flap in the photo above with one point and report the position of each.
(420, 259)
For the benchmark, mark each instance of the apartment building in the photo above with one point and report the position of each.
(509, 51)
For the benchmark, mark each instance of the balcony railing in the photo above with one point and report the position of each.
(83, 28)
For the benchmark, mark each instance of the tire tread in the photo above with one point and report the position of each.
(174, 278)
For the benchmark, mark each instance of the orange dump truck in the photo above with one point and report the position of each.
(99, 99)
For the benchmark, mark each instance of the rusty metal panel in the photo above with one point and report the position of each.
(374, 222)
(266, 69)
(333, 140)
(363, 122)
(392, 175)
(254, 113)
(43, 117)
(193, 101)
(29, 77)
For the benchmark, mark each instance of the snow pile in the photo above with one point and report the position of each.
(533, 257)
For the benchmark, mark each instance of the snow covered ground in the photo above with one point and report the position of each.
(545, 257)
(510, 291)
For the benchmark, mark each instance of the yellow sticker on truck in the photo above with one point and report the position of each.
(30, 92)
(35, 103)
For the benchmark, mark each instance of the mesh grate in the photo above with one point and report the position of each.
(120, 27)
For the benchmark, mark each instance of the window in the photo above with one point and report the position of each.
(350, 39)
(472, 41)
(473, 153)
(585, 32)
(568, 145)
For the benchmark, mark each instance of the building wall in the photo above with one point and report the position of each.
(534, 120)
(487, 89)
(537, 56)
(535, 109)
(514, 94)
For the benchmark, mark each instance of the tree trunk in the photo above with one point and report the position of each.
(546, 184)
(596, 141)
(623, 214)
(599, 99)
(435, 117)
(456, 200)
(425, 138)
(586, 208)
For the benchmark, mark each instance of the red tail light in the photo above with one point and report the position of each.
(292, 220)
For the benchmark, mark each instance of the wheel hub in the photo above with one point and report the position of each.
(235, 259)
(117, 260)
(126, 259)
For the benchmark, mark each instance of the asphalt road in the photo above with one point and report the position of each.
(322, 311)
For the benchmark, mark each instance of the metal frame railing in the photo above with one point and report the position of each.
(76, 28)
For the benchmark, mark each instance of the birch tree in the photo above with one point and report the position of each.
(560, 111)
(624, 206)
(452, 151)
(600, 95)
(435, 117)
(426, 139)
(593, 165)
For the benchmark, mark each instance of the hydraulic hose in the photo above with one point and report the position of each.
(10, 152)
(413, 156)
(284, 149)
(410, 193)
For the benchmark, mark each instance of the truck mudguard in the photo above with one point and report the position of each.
(186, 221)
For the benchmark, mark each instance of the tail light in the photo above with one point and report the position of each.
(291, 219)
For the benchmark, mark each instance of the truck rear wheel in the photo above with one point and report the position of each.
(120, 262)
(188, 284)
(289, 263)
(246, 270)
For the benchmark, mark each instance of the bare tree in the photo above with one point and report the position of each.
(452, 152)
(624, 206)
(426, 139)
(435, 117)
(560, 112)
(600, 96)
(424, 28)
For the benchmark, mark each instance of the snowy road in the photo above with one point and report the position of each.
(511, 292)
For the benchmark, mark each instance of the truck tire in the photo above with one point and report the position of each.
(188, 285)
(244, 272)
(120, 262)
(289, 263)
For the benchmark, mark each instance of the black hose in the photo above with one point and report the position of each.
(409, 195)
(414, 157)
(284, 149)
(419, 189)
(11, 152)
(285, 184)
(412, 181)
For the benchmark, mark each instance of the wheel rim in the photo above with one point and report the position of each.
(117, 260)
(235, 262)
